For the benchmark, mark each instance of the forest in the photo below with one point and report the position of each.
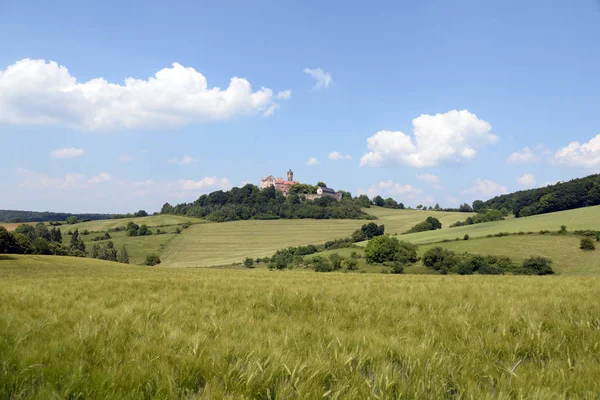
(576, 193)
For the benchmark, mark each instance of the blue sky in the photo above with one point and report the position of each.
(425, 102)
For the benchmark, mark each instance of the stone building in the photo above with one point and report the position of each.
(284, 186)
(280, 184)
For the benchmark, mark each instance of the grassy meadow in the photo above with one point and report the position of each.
(400, 221)
(151, 221)
(580, 218)
(81, 328)
(230, 242)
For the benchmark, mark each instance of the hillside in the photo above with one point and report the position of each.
(576, 193)
(581, 218)
(43, 216)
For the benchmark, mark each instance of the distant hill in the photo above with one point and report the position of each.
(42, 216)
(576, 193)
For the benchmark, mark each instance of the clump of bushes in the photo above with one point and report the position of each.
(446, 261)
(430, 224)
(562, 230)
(466, 237)
(248, 262)
(382, 249)
(152, 259)
(481, 217)
(367, 232)
(133, 229)
(587, 244)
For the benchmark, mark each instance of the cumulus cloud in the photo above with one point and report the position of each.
(284, 94)
(208, 182)
(312, 162)
(585, 155)
(40, 93)
(526, 180)
(69, 152)
(323, 79)
(447, 138)
(524, 156)
(185, 160)
(485, 188)
(334, 155)
(101, 177)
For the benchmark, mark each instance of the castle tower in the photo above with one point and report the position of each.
(290, 175)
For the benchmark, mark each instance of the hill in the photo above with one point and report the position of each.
(78, 327)
(581, 218)
(576, 193)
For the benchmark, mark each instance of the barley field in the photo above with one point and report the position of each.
(81, 328)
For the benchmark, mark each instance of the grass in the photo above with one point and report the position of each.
(81, 328)
(400, 221)
(567, 257)
(153, 220)
(230, 242)
(581, 218)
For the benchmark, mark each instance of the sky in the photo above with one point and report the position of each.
(115, 106)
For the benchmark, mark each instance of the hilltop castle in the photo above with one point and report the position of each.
(284, 186)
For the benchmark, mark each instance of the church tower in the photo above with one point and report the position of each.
(290, 175)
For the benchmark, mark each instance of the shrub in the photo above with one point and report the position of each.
(178, 230)
(587, 244)
(249, 262)
(186, 225)
(563, 229)
(491, 270)
(535, 266)
(430, 224)
(407, 253)
(381, 249)
(336, 261)
(351, 264)
(440, 259)
(152, 259)
(321, 265)
(466, 237)
(397, 267)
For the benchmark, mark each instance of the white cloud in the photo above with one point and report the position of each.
(485, 188)
(323, 78)
(525, 156)
(585, 155)
(432, 180)
(40, 93)
(39, 180)
(334, 155)
(312, 162)
(284, 94)
(101, 177)
(185, 160)
(395, 190)
(452, 137)
(70, 152)
(526, 180)
(208, 182)
(125, 157)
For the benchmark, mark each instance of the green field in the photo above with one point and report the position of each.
(151, 221)
(581, 218)
(81, 328)
(230, 242)
(567, 257)
(400, 221)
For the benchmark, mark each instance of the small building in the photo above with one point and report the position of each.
(323, 191)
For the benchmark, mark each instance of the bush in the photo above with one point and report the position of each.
(152, 259)
(440, 259)
(382, 249)
(563, 229)
(336, 261)
(351, 264)
(587, 244)
(321, 265)
(491, 270)
(430, 224)
(535, 266)
(466, 237)
(178, 230)
(249, 262)
(397, 267)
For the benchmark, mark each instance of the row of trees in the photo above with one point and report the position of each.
(481, 217)
(576, 193)
(447, 261)
(108, 251)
